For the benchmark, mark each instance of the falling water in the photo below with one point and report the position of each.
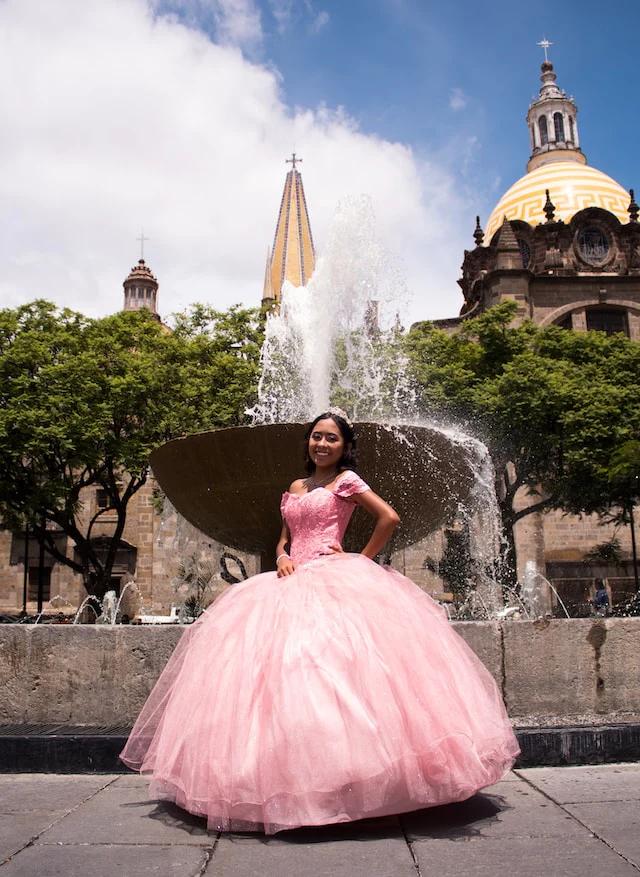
(336, 340)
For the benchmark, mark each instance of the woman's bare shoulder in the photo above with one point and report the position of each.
(297, 486)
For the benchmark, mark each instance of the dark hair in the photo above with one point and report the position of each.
(349, 457)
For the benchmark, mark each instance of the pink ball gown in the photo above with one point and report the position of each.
(336, 693)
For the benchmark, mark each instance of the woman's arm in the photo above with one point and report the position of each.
(284, 565)
(386, 521)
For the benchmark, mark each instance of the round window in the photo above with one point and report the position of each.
(593, 244)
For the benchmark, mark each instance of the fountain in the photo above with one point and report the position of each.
(536, 593)
(335, 341)
(107, 610)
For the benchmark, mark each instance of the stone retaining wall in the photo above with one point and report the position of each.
(551, 673)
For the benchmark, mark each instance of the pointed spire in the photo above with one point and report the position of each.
(508, 255)
(507, 241)
(267, 289)
(478, 234)
(293, 254)
(549, 208)
(633, 210)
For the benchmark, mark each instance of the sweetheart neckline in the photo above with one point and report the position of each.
(309, 492)
(320, 487)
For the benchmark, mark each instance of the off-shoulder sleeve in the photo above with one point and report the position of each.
(349, 484)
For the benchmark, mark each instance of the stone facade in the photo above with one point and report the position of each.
(154, 545)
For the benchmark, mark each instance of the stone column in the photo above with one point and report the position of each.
(579, 320)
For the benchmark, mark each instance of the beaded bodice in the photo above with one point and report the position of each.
(319, 518)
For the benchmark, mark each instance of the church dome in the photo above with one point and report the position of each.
(572, 187)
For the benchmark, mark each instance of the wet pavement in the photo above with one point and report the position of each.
(538, 822)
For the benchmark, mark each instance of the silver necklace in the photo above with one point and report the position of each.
(314, 483)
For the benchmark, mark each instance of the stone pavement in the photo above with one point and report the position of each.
(539, 822)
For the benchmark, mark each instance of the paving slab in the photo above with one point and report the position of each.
(521, 857)
(126, 816)
(616, 822)
(132, 781)
(107, 861)
(506, 810)
(18, 829)
(619, 782)
(21, 793)
(368, 857)
(559, 822)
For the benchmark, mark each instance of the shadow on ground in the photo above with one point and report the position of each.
(452, 821)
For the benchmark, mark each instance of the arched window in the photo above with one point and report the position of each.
(609, 320)
(542, 125)
(558, 124)
(572, 130)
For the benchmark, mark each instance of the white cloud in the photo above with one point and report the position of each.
(238, 22)
(282, 11)
(457, 99)
(320, 21)
(124, 120)
(234, 22)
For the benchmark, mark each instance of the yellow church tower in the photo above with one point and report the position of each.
(293, 255)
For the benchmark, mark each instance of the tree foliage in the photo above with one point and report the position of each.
(554, 406)
(84, 401)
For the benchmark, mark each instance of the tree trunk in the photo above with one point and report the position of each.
(508, 574)
(634, 548)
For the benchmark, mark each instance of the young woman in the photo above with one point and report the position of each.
(331, 690)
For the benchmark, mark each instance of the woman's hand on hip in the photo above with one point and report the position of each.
(285, 567)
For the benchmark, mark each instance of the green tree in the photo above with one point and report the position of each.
(624, 479)
(552, 405)
(84, 401)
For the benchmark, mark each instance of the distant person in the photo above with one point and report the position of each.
(328, 691)
(601, 599)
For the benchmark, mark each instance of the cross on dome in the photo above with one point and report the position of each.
(293, 160)
(545, 44)
(142, 239)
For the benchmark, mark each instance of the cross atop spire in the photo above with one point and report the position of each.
(292, 161)
(545, 44)
(142, 239)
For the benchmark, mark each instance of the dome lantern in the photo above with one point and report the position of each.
(141, 289)
(553, 121)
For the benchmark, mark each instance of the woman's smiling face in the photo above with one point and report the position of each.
(326, 445)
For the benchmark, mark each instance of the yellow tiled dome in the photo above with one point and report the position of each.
(572, 187)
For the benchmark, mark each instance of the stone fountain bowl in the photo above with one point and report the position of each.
(229, 482)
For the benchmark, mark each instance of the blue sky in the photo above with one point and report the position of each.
(396, 66)
(176, 116)
(393, 64)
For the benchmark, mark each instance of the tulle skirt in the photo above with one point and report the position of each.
(337, 693)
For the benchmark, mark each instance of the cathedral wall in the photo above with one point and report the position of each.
(162, 541)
